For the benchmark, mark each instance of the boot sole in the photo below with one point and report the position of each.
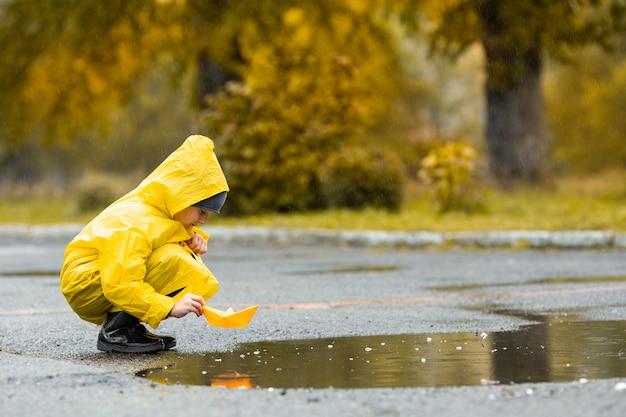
(168, 345)
(108, 347)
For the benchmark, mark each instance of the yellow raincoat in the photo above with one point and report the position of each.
(133, 253)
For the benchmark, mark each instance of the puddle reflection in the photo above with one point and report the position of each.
(557, 348)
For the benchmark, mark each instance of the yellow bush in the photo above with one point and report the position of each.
(451, 172)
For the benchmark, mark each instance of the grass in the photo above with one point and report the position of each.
(592, 203)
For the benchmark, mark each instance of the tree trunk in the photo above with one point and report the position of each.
(515, 129)
(210, 78)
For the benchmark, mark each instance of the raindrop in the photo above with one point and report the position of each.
(367, 349)
(330, 346)
(242, 356)
(256, 352)
(429, 339)
(218, 360)
(529, 391)
(382, 343)
(203, 372)
(583, 380)
(459, 348)
(423, 360)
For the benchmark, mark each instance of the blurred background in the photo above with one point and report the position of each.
(379, 114)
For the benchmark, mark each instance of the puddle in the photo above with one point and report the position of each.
(352, 269)
(21, 274)
(556, 348)
(542, 281)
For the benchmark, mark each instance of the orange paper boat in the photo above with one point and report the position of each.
(229, 318)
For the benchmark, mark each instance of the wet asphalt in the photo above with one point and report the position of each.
(49, 364)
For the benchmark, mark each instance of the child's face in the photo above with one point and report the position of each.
(192, 216)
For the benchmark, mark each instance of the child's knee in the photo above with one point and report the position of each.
(171, 267)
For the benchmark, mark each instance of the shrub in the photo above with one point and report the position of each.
(94, 197)
(306, 89)
(355, 177)
(451, 172)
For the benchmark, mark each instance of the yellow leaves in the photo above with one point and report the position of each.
(342, 25)
(586, 102)
(358, 7)
(317, 77)
(302, 36)
(293, 16)
(451, 171)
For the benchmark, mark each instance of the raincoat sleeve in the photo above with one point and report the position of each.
(122, 267)
(201, 232)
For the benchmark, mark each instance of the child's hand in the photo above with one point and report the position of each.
(189, 303)
(197, 244)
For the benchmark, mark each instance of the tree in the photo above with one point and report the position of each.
(515, 35)
(586, 103)
(311, 76)
(316, 78)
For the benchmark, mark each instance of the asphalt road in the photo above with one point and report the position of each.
(49, 364)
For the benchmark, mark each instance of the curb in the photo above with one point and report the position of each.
(518, 239)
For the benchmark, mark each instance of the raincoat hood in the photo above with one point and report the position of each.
(190, 174)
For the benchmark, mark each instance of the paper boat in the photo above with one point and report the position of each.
(229, 318)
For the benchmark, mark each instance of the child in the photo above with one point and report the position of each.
(137, 261)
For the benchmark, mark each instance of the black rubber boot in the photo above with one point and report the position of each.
(119, 334)
(168, 341)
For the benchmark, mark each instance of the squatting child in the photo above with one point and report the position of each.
(139, 259)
